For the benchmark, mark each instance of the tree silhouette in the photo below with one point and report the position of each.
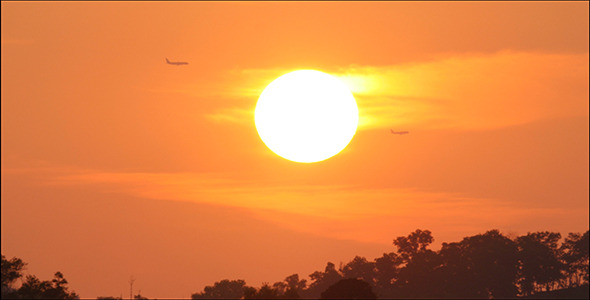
(249, 292)
(414, 243)
(386, 272)
(33, 288)
(360, 268)
(488, 265)
(291, 287)
(539, 261)
(11, 271)
(349, 288)
(224, 289)
(481, 266)
(418, 272)
(140, 297)
(265, 292)
(420, 277)
(574, 254)
(322, 280)
(280, 287)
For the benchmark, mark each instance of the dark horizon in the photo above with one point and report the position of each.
(539, 264)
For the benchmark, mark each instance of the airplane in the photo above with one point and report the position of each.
(178, 63)
(399, 132)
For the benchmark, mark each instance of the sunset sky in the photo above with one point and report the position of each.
(116, 164)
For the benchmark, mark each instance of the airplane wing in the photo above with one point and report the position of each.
(176, 62)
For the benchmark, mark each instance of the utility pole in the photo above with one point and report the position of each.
(131, 280)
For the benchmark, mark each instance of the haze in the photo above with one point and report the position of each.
(115, 163)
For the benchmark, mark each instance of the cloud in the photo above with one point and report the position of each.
(472, 92)
(335, 211)
(232, 115)
(463, 92)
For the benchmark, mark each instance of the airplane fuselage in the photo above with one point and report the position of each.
(176, 63)
(400, 132)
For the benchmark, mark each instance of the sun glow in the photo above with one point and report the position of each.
(306, 116)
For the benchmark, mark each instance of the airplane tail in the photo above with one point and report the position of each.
(167, 60)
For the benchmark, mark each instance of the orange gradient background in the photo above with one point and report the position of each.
(117, 164)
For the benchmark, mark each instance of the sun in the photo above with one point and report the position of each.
(306, 116)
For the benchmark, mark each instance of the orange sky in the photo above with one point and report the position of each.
(117, 164)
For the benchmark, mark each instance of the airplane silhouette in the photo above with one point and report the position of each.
(177, 63)
(399, 132)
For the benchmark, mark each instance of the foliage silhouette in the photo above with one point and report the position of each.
(574, 255)
(322, 280)
(488, 265)
(579, 292)
(480, 266)
(413, 244)
(387, 270)
(11, 271)
(295, 286)
(539, 261)
(139, 297)
(360, 268)
(349, 288)
(32, 287)
(265, 292)
(225, 289)
(290, 288)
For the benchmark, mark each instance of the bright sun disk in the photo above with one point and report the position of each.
(306, 116)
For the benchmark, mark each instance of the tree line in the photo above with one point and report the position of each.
(32, 287)
(489, 265)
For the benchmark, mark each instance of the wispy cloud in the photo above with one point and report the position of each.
(232, 115)
(463, 92)
(336, 211)
(472, 92)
